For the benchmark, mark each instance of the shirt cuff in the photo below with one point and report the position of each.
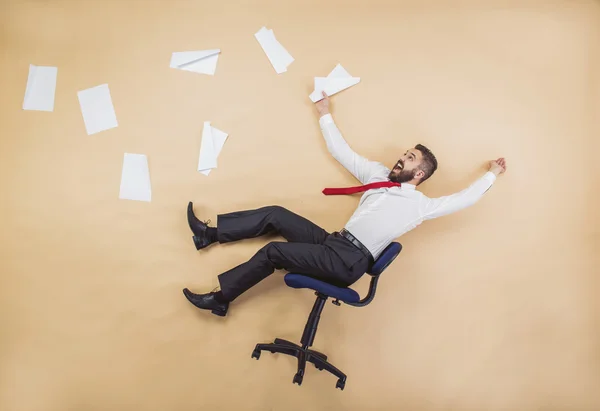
(491, 177)
(326, 119)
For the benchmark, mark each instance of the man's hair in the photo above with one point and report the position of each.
(429, 163)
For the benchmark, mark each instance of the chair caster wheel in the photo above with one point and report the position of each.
(298, 379)
(340, 384)
(256, 354)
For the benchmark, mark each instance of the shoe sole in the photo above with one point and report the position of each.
(190, 210)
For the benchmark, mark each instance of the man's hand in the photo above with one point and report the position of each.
(498, 166)
(323, 105)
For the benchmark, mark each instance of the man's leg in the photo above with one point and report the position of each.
(268, 220)
(253, 223)
(318, 261)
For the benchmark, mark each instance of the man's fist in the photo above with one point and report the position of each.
(498, 166)
(323, 105)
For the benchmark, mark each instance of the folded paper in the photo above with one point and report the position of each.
(278, 56)
(97, 109)
(212, 143)
(202, 61)
(339, 79)
(41, 87)
(135, 178)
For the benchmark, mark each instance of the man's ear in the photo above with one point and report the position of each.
(419, 174)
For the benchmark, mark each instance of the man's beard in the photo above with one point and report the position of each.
(401, 177)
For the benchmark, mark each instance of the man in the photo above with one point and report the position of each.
(390, 207)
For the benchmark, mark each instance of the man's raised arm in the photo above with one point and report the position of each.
(438, 207)
(361, 168)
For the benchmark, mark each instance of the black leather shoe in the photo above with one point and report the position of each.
(207, 302)
(198, 228)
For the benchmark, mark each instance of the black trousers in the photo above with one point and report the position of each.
(310, 250)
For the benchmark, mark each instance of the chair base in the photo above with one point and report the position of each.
(303, 355)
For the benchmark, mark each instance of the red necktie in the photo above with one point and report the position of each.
(359, 189)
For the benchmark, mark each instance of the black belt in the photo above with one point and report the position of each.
(346, 234)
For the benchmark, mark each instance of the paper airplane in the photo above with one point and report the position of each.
(135, 178)
(278, 56)
(202, 61)
(339, 79)
(212, 143)
(41, 87)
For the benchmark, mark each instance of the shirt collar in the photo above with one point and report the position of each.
(408, 186)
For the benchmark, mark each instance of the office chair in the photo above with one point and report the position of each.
(324, 291)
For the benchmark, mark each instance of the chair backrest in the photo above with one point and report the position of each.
(386, 258)
(383, 261)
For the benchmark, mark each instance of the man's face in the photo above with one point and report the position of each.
(407, 167)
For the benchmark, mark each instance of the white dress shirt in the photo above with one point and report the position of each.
(384, 214)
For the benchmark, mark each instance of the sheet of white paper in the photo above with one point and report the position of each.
(97, 109)
(219, 138)
(282, 56)
(207, 159)
(135, 178)
(201, 61)
(277, 54)
(339, 79)
(41, 87)
(212, 143)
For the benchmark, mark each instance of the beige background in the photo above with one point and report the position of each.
(493, 308)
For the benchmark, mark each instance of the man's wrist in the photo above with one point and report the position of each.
(323, 113)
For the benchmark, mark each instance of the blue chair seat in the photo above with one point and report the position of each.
(346, 295)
